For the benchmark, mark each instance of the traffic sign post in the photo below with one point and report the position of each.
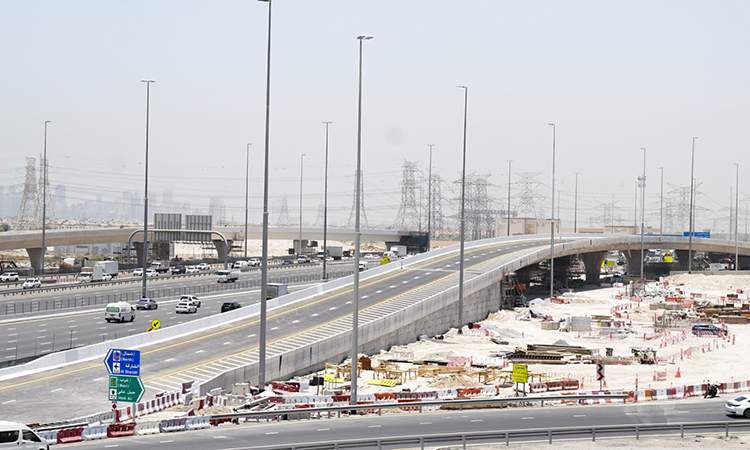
(125, 389)
(600, 374)
(123, 362)
(521, 375)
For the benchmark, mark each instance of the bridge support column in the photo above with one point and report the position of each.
(592, 262)
(36, 258)
(634, 262)
(138, 246)
(744, 263)
(683, 261)
(222, 248)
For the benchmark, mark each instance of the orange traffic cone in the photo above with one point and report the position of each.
(678, 374)
(605, 383)
(654, 376)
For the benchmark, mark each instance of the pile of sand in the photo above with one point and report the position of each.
(452, 381)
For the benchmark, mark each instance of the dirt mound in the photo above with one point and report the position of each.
(452, 381)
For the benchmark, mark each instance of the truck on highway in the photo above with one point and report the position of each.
(160, 266)
(336, 252)
(227, 276)
(110, 267)
(398, 250)
(276, 290)
(91, 274)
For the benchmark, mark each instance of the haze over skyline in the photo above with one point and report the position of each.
(613, 76)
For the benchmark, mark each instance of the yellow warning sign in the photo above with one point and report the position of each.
(520, 373)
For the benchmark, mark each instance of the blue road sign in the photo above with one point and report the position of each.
(123, 362)
(698, 234)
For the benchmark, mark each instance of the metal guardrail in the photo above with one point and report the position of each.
(519, 436)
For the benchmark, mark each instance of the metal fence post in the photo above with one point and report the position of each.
(549, 433)
(637, 433)
(421, 443)
(726, 427)
(507, 439)
(682, 430)
(593, 434)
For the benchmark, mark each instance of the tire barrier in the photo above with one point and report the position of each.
(121, 429)
(143, 428)
(95, 432)
(69, 435)
(172, 425)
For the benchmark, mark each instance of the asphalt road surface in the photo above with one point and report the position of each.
(261, 435)
(81, 389)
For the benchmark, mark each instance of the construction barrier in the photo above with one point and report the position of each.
(170, 425)
(143, 428)
(95, 432)
(69, 435)
(49, 436)
(197, 423)
(121, 429)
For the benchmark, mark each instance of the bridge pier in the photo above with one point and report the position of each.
(138, 246)
(36, 258)
(592, 262)
(634, 262)
(221, 248)
(683, 261)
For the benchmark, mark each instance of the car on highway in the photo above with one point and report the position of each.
(151, 273)
(203, 266)
(254, 262)
(362, 266)
(31, 283)
(302, 259)
(739, 406)
(229, 306)
(9, 276)
(106, 277)
(192, 270)
(138, 272)
(371, 256)
(185, 306)
(192, 299)
(178, 270)
(146, 303)
(119, 312)
(287, 262)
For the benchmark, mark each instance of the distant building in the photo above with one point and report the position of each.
(524, 225)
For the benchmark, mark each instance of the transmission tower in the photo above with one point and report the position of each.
(677, 208)
(435, 209)
(352, 214)
(479, 217)
(319, 219)
(527, 199)
(284, 214)
(29, 212)
(408, 213)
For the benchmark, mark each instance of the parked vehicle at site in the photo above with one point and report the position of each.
(119, 312)
(146, 303)
(9, 276)
(185, 307)
(19, 436)
(31, 283)
(708, 329)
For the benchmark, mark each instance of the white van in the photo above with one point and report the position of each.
(241, 265)
(119, 312)
(19, 436)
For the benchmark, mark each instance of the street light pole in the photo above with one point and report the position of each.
(575, 208)
(510, 165)
(552, 223)
(690, 232)
(661, 204)
(429, 200)
(357, 234)
(736, 216)
(301, 171)
(145, 189)
(325, 209)
(463, 222)
(247, 192)
(643, 205)
(44, 196)
(264, 246)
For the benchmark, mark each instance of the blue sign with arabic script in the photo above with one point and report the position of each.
(123, 362)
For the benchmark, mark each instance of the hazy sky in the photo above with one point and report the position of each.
(613, 76)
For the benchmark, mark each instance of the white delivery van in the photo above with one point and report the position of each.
(119, 312)
(19, 436)
(241, 265)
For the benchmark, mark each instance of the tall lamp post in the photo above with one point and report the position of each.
(44, 196)
(301, 171)
(552, 223)
(463, 222)
(325, 208)
(357, 236)
(690, 231)
(264, 246)
(510, 165)
(145, 189)
(429, 200)
(643, 205)
(736, 216)
(247, 191)
(575, 208)
(661, 203)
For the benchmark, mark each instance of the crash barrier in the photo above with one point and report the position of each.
(121, 429)
(197, 423)
(69, 435)
(170, 425)
(161, 402)
(151, 427)
(95, 432)
(558, 385)
(49, 436)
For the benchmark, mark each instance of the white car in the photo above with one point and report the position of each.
(106, 277)
(185, 307)
(203, 266)
(138, 272)
(192, 269)
(739, 406)
(31, 283)
(254, 262)
(151, 273)
(9, 276)
(192, 299)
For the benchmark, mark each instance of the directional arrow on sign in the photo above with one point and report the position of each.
(123, 362)
(125, 389)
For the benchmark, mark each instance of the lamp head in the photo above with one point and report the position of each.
(364, 37)
(148, 81)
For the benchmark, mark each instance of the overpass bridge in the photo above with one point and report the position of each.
(31, 241)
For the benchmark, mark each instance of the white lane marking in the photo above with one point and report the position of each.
(111, 446)
(274, 328)
(9, 401)
(45, 343)
(102, 328)
(527, 418)
(324, 429)
(416, 278)
(273, 432)
(9, 349)
(42, 331)
(630, 413)
(379, 291)
(41, 337)
(579, 415)
(73, 320)
(166, 442)
(332, 308)
(476, 420)
(14, 340)
(13, 334)
(404, 282)
(168, 360)
(364, 296)
(72, 326)
(314, 315)
(42, 324)
(200, 351)
(226, 343)
(220, 437)
(373, 426)
(98, 379)
(425, 423)
(252, 335)
(56, 390)
(295, 321)
(349, 302)
(11, 329)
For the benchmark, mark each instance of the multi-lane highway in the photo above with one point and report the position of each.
(80, 389)
(263, 435)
